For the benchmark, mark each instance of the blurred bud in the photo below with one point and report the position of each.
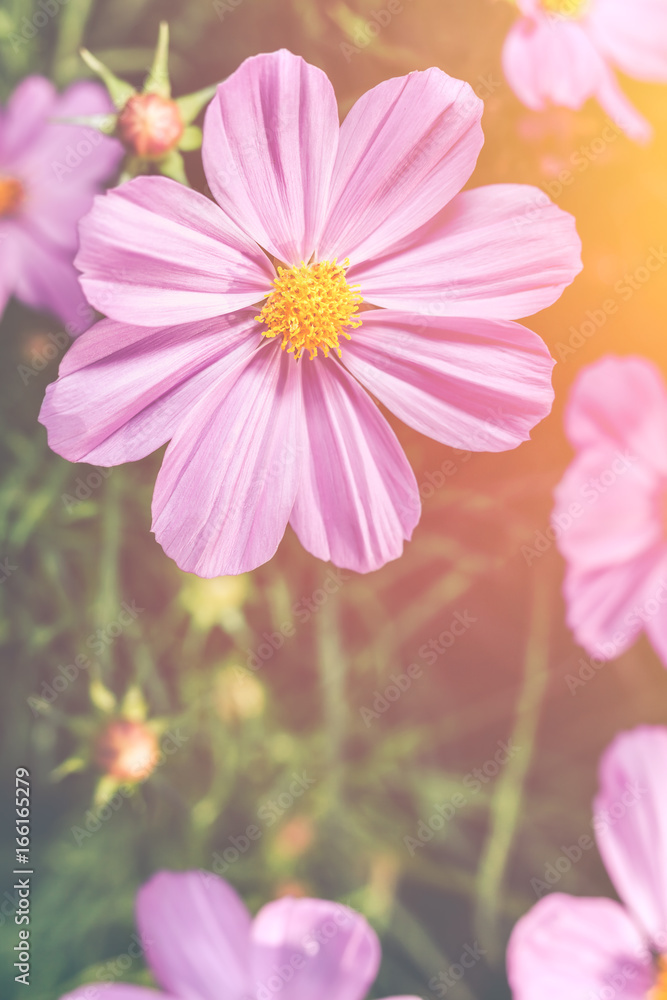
(381, 886)
(150, 126)
(216, 602)
(292, 887)
(238, 695)
(127, 751)
(11, 196)
(295, 837)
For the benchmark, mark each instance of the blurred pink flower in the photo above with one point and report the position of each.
(259, 438)
(567, 948)
(201, 944)
(49, 174)
(611, 507)
(564, 52)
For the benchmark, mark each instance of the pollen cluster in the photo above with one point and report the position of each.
(11, 195)
(310, 308)
(566, 8)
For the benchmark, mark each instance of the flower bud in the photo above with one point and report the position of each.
(127, 751)
(150, 126)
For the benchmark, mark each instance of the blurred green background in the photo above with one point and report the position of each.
(374, 771)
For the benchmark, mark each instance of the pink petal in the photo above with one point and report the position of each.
(621, 402)
(576, 949)
(123, 391)
(632, 36)
(314, 948)
(153, 252)
(45, 278)
(631, 824)
(230, 475)
(622, 111)
(499, 252)
(8, 262)
(23, 120)
(608, 526)
(270, 143)
(656, 616)
(406, 148)
(552, 61)
(469, 383)
(115, 991)
(358, 498)
(196, 934)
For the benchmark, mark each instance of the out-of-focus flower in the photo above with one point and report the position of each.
(294, 837)
(238, 695)
(573, 948)
(153, 127)
(216, 602)
(127, 751)
(611, 505)
(564, 52)
(265, 409)
(49, 174)
(204, 945)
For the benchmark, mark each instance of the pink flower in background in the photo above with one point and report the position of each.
(201, 944)
(567, 948)
(49, 173)
(566, 51)
(611, 507)
(350, 248)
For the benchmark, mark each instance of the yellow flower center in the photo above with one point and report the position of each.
(11, 195)
(566, 8)
(310, 308)
(659, 991)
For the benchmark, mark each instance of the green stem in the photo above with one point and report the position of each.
(332, 668)
(507, 798)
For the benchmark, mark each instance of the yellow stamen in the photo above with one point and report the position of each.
(566, 8)
(310, 308)
(11, 195)
(659, 991)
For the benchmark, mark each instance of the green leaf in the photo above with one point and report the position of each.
(119, 90)
(191, 139)
(157, 81)
(192, 104)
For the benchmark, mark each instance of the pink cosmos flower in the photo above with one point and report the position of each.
(201, 944)
(567, 948)
(339, 259)
(611, 504)
(49, 173)
(565, 51)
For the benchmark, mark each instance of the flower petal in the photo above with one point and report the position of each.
(609, 529)
(406, 148)
(358, 498)
(196, 934)
(270, 143)
(23, 120)
(470, 383)
(577, 949)
(635, 38)
(631, 824)
(552, 61)
(227, 485)
(123, 391)
(153, 252)
(499, 252)
(621, 402)
(45, 278)
(330, 950)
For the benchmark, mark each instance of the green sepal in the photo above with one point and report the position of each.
(119, 90)
(102, 123)
(192, 104)
(191, 139)
(172, 166)
(157, 81)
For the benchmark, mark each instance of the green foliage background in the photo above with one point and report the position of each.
(505, 679)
